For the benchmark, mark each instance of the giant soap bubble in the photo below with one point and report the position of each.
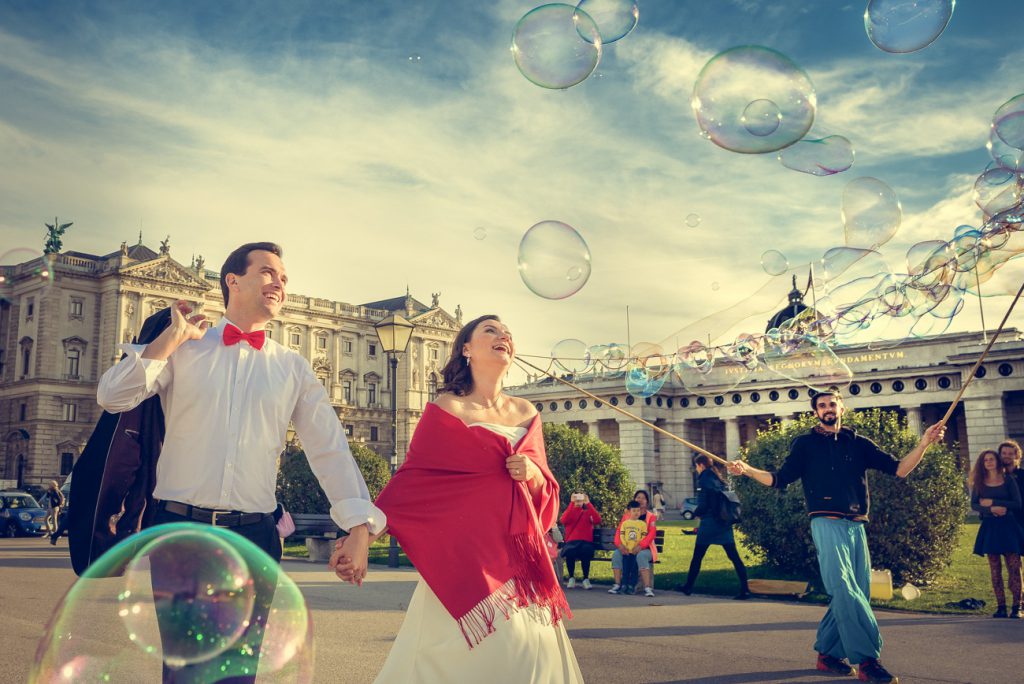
(202, 601)
(871, 212)
(906, 25)
(752, 99)
(554, 261)
(819, 156)
(549, 48)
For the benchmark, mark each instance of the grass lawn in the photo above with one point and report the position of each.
(967, 577)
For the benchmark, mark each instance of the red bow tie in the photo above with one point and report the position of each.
(233, 335)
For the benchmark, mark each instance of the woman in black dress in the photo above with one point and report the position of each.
(712, 530)
(996, 496)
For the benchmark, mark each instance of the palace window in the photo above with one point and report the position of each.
(75, 308)
(374, 434)
(321, 342)
(67, 462)
(30, 308)
(372, 350)
(346, 346)
(73, 356)
(70, 412)
(432, 387)
(346, 391)
(348, 430)
(371, 393)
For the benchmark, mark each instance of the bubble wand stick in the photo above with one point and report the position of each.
(970, 377)
(629, 415)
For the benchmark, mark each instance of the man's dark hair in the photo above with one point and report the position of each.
(633, 504)
(827, 393)
(238, 262)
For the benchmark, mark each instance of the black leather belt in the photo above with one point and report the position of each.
(215, 517)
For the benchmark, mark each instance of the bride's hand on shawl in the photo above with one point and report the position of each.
(522, 469)
(350, 555)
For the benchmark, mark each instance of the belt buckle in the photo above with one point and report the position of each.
(213, 517)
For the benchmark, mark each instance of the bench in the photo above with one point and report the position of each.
(604, 543)
(320, 532)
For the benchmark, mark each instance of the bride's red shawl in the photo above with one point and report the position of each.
(475, 535)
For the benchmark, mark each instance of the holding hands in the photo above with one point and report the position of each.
(349, 559)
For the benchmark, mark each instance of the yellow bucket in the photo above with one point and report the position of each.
(881, 585)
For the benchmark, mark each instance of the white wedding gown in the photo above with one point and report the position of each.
(525, 649)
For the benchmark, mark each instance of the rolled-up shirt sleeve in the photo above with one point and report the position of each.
(131, 380)
(330, 458)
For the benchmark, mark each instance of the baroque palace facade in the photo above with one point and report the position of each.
(63, 316)
(918, 379)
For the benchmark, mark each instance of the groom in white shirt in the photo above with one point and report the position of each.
(228, 394)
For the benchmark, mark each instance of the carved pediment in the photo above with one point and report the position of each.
(436, 318)
(321, 365)
(165, 270)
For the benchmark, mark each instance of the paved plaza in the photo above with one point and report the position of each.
(696, 640)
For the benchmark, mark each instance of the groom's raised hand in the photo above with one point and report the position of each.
(350, 555)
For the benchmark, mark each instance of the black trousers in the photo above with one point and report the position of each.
(730, 551)
(235, 665)
(576, 550)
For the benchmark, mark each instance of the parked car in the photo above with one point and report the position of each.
(35, 490)
(21, 514)
(687, 508)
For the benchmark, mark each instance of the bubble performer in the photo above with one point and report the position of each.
(470, 506)
(832, 463)
(228, 395)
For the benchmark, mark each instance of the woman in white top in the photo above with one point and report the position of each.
(470, 506)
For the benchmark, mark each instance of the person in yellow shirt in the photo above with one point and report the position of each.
(631, 530)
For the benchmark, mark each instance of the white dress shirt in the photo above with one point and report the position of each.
(227, 411)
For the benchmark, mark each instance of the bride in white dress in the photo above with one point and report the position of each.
(470, 506)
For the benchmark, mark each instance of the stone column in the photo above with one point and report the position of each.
(914, 419)
(986, 424)
(732, 438)
(636, 443)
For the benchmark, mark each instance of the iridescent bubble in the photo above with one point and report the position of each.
(871, 212)
(774, 262)
(28, 269)
(761, 118)
(805, 359)
(614, 18)
(693, 220)
(1002, 154)
(647, 370)
(571, 356)
(1008, 122)
(819, 157)
(997, 189)
(548, 48)
(480, 233)
(754, 77)
(554, 261)
(197, 587)
(715, 286)
(204, 600)
(716, 377)
(612, 357)
(906, 25)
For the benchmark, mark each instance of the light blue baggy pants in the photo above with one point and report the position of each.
(849, 629)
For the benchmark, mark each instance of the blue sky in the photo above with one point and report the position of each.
(308, 123)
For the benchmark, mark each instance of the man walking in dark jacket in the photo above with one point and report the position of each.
(832, 462)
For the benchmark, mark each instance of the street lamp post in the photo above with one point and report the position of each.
(394, 333)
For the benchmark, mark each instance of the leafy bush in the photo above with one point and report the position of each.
(299, 490)
(914, 524)
(586, 464)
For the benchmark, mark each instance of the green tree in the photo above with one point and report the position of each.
(299, 491)
(584, 463)
(914, 524)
